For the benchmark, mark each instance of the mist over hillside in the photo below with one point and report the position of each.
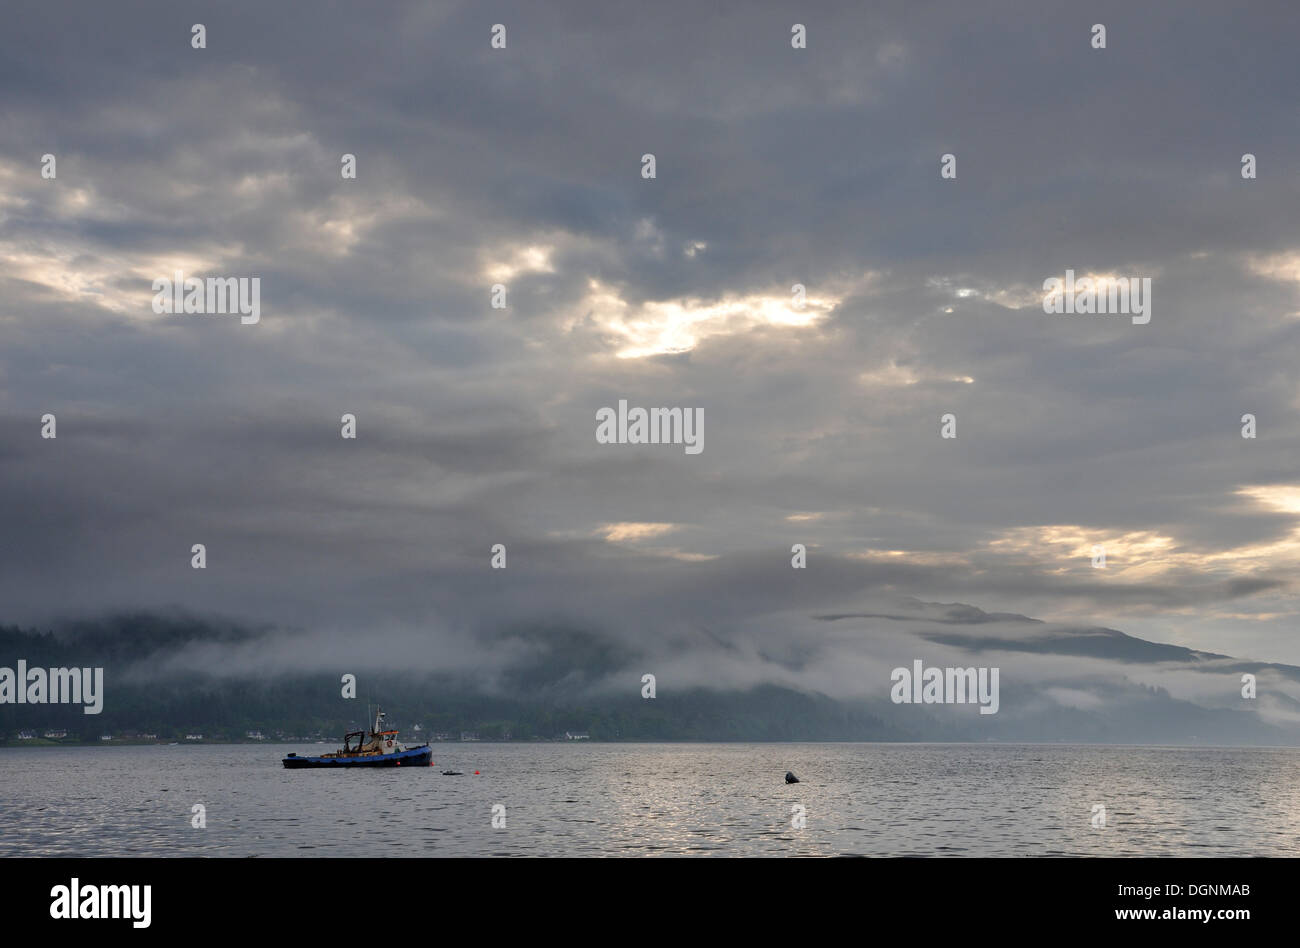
(820, 677)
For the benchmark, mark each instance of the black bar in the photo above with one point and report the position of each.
(473, 898)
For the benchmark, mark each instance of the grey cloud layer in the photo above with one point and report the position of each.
(477, 426)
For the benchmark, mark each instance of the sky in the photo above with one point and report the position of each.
(774, 166)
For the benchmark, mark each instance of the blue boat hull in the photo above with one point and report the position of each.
(411, 757)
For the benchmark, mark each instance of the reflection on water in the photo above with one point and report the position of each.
(642, 799)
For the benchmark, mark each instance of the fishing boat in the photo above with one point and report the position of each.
(377, 747)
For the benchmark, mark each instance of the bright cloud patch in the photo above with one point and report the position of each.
(625, 532)
(657, 327)
(531, 259)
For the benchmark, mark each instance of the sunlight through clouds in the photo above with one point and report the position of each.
(673, 326)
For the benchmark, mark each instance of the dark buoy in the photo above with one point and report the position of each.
(790, 777)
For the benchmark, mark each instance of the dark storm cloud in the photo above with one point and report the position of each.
(775, 166)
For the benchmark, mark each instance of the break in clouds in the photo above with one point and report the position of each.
(798, 269)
